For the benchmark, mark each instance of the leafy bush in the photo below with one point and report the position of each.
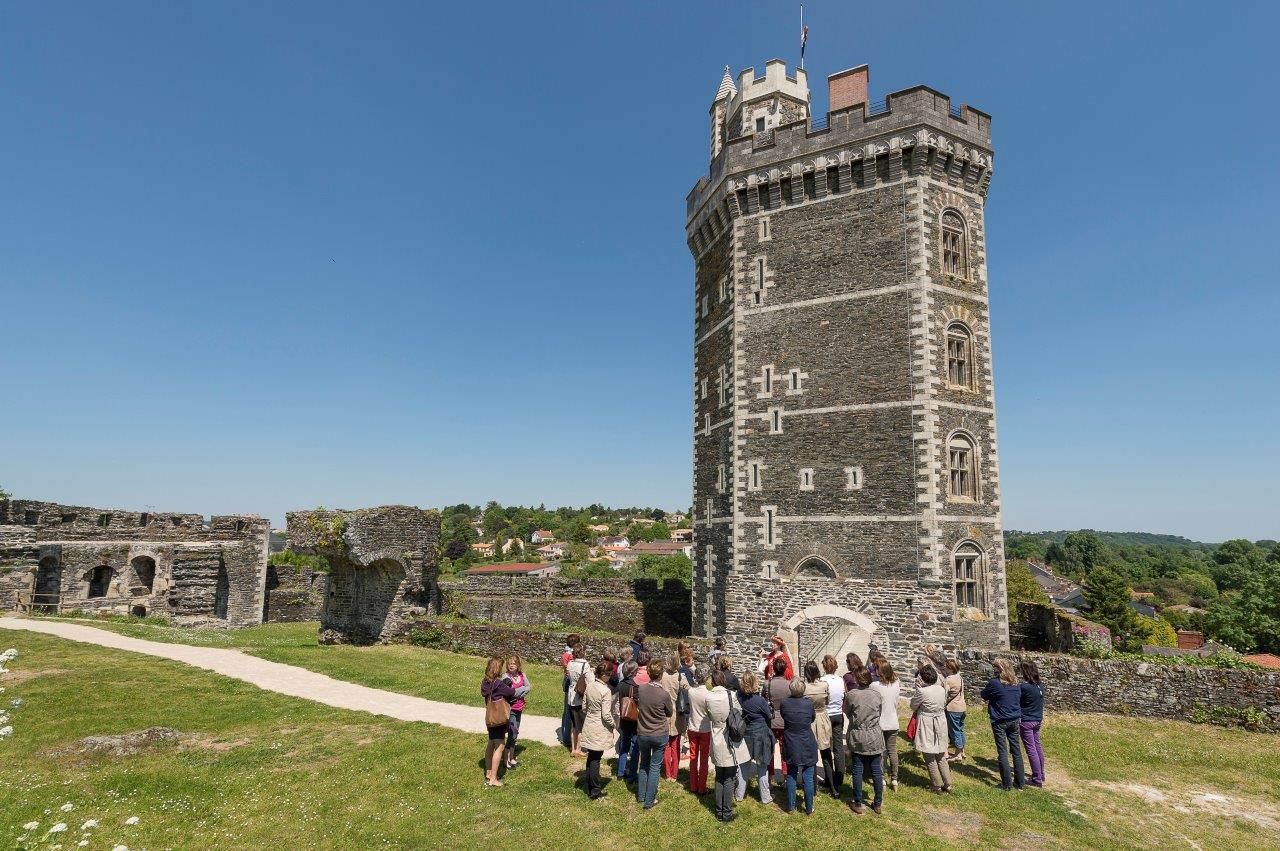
(427, 637)
(292, 558)
(1232, 716)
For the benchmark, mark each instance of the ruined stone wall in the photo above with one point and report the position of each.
(294, 594)
(1144, 689)
(134, 562)
(383, 567)
(620, 606)
(529, 643)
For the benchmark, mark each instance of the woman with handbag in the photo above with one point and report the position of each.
(498, 695)
(929, 704)
(628, 713)
(817, 690)
(579, 671)
(597, 726)
(727, 753)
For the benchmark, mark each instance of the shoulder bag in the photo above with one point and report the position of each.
(735, 725)
(497, 711)
(580, 687)
(628, 707)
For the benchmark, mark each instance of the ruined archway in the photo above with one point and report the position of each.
(825, 628)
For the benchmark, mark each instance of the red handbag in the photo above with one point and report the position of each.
(911, 726)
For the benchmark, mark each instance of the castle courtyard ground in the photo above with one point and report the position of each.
(255, 768)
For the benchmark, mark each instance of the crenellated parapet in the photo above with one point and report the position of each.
(912, 133)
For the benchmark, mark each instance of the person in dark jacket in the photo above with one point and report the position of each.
(777, 690)
(637, 645)
(1031, 704)
(758, 716)
(494, 687)
(626, 768)
(1004, 707)
(799, 745)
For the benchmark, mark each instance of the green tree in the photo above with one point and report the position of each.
(4, 494)
(1021, 586)
(1274, 555)
(494, 519)
(1250, 619)
(1107, 594)
(1157, 632)
(1235, 550)
(1025, 547)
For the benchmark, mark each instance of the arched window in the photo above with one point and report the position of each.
(144, 567)
(967, 573)
(954, 251)
(815, 568)
(959, 356)
(962, 463)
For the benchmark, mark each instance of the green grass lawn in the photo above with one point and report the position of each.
(255, 769)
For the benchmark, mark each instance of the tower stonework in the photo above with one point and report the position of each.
(846, 487)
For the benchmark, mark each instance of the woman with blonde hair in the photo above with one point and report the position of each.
(498, 695)
(758, 716)
(956, 709)
(520, 685)
(1004, 706)
(672, 682)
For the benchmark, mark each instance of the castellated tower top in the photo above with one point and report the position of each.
(758, 104)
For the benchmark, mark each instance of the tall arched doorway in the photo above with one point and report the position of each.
(827, 629)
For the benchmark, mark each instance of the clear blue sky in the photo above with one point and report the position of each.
(256, 257)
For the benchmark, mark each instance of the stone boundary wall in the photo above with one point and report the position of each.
(1051, 630)
(1136, 688)
(294, 594)
(530, 643)
(606, 605)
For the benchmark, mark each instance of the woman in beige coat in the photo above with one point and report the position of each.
(597, 726)
(817, 690)
(673, 682)
(929, 704)
(727, 756)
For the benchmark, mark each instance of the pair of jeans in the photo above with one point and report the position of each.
(671, 758)
(760, 744)
(868, 764)
(955, 729)
(513, 733)
(890, 762)
(650, 748)
(726, 790)
(626, 767)
(1006, 735)
(1030, 731)
(593, 773)
(699, 754)
(805, 773)
(837, 747)
(566, 717)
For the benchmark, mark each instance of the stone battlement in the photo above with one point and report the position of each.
(54, 521)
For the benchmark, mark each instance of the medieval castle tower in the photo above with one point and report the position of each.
(846, 486)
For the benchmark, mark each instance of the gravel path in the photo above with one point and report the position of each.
(294, 681)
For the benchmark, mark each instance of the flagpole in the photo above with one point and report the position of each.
(802, 36)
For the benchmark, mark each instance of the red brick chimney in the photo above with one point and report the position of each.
(1190, 640)
(847, 88)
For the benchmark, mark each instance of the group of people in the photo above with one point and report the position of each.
(772, 723)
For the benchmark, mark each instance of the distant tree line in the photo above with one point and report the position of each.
(1235, 583)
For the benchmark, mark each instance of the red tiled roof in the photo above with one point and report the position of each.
(1264, 660)
(658, 547)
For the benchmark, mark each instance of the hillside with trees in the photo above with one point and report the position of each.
(1230, 591)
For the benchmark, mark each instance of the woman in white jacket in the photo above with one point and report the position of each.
(726, 755)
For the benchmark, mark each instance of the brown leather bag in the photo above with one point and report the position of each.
(497, 712)
(629, 707)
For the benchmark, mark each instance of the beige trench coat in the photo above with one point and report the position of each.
(597, 729)
(820, 693)
(930, 705)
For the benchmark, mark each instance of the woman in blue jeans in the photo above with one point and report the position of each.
(799, 745)
(656, 706)
(1004, 706)
(625, 768)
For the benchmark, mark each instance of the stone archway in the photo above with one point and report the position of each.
(825, 628)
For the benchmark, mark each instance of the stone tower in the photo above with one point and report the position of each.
(846, 486)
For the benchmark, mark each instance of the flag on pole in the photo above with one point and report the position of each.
(804, 39)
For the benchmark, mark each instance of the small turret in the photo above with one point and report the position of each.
(758, 104)
(720, 112)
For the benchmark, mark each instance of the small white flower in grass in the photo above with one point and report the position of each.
(59, 827)
(90, 824)
(16, 702)
(121, 848)
(6, 732)
(82, 843)
(31, 825)
(131, 820)
(67, 807)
